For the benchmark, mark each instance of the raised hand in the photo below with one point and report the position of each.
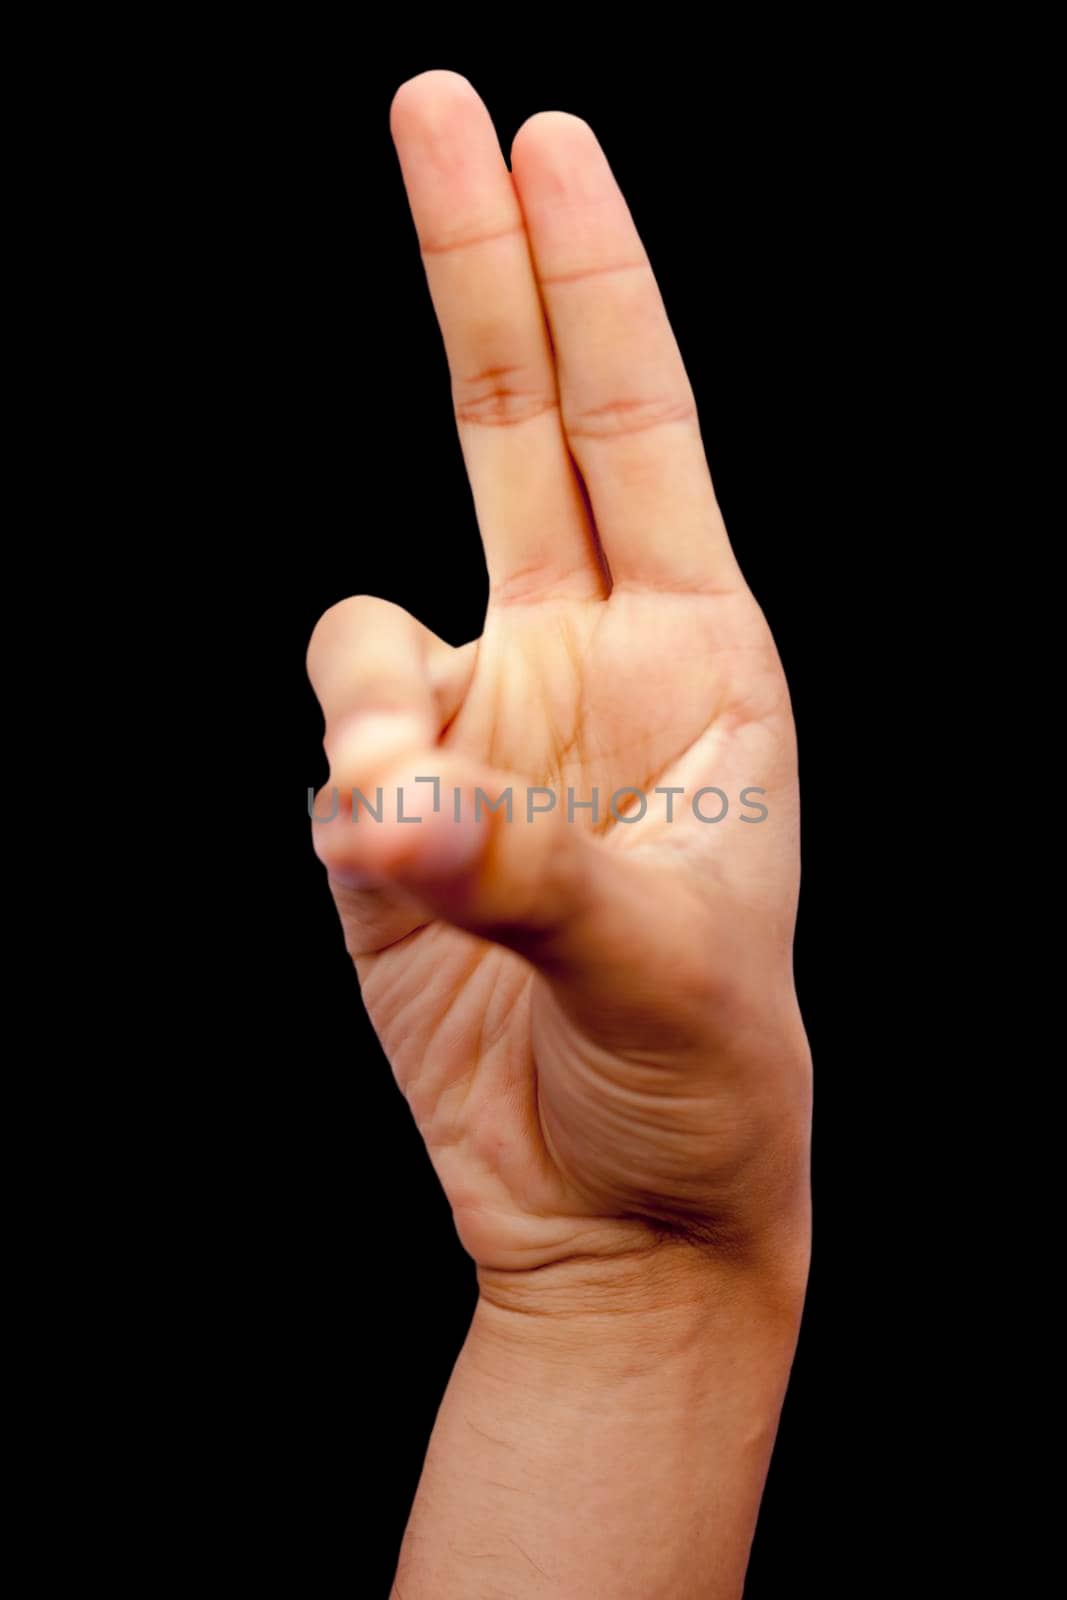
(593, 1019)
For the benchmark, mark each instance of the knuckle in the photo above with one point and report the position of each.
(621, 415)
(499, 397)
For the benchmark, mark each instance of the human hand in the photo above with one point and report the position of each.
(595, 1024)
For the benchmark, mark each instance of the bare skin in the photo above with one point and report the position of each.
(594, 1021)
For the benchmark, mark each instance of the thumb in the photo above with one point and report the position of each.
(619, 937)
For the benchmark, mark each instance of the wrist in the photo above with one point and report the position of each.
(616, 1277)
(656, 1305)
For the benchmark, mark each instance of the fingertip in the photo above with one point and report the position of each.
(418, 97)
(550, 130)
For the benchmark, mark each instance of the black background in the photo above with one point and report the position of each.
(311, 454)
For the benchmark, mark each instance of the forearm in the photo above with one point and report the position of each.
(607, 1438)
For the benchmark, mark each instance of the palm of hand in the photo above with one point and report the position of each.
(644, 694)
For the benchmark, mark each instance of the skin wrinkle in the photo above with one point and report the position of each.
(589, 422)
(392, 978)
(502, 721)
(442, 1135)
(680, 588)
(490, 1035)
(491, 396)
(371, 955)
(470, 1079)
(504, 1444)
(581, 274)
(528, 1556)
(458, 998)
(485, 373)
(537, 584)
(448, 246)
(502, 408)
